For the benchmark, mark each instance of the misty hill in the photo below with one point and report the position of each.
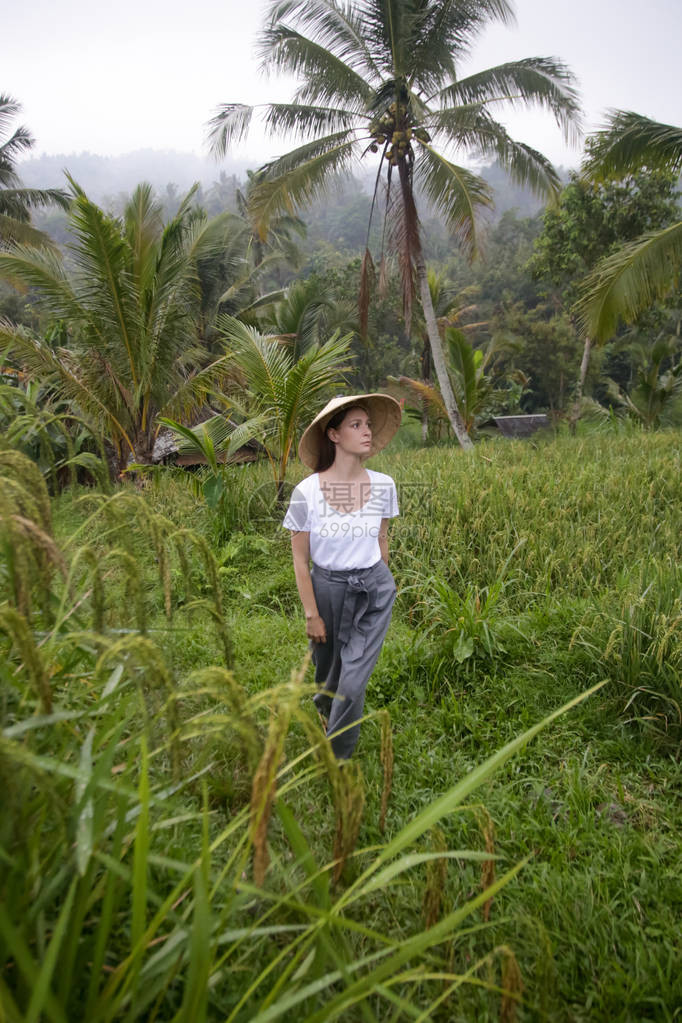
(104, 177)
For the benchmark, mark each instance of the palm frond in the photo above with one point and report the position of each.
(422, 40)
(525, 165)
(630, 141)
(195, 389)
(630, 280)
(254, 428)
(454, 191)
(19, 232)
(306, 120)
(62, 370)
(43, 270)
(442, 34)
(424, 392)
(263, 362)
(328, 78)
(314, 373)
(9, 108)
(33, 198)
(338, 28)
(176, 296)
(270, 298)
(103, 291)
(217, 435)
(230, 124)
(300, 176)
(470, 384)
(543, 81)
(143, 222)
(472, 126)
(300, 317)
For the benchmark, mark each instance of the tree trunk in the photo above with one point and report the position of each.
(411, 227)
(446, 391)
(584, 366)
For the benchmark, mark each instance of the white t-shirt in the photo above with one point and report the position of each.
(341, 539)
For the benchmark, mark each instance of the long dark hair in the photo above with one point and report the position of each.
(327, 452)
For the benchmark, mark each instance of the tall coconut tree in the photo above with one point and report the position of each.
(16, 202)
(131, 296)
(382, 78)
(633, 277)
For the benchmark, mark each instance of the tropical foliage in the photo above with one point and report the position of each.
(274, 394)
(130, 294)
(632, 278)
(658, 374)
(16, 202)
(473, 374)
(590, 222)
(383, 78)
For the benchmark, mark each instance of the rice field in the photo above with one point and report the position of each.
(176, 842)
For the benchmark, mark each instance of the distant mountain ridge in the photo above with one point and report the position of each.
(105, 177)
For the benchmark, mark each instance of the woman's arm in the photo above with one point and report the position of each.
(383, 539)
(300, 549)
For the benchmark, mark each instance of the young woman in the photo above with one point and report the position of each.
(338, 517)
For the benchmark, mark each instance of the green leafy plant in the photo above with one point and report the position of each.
(278, 394)
(131, 297)
(16, 202)
(472, 377)
(385, 80)
(629, 280)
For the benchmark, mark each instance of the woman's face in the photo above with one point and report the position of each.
(354, 433)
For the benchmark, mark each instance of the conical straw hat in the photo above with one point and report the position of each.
(384, 412)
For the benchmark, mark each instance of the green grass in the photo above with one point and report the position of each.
(526, 575)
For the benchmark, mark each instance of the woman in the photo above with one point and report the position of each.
(339, 517)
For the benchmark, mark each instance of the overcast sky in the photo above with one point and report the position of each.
(148, 73)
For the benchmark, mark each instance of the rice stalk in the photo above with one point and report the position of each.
(348, 790)
(15, 625)
(264, 786)
(512, 985)
(387, 765)
(436, 877)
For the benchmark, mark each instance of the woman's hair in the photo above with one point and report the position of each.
(327, 452)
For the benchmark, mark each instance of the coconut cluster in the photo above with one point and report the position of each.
(394, 127)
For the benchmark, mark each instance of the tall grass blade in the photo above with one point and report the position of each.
(41, 990)
(84, 827)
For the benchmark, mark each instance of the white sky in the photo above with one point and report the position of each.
(148, 73)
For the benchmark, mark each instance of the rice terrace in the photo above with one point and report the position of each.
(186, 836)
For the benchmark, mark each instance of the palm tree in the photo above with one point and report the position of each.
(131, 297)
(307, 313)
(659, 379)
(16, 202)
(277, 391)
(629, 280)
(279, 251)
(471, 373)
(382, 77)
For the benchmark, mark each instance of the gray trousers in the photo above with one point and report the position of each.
(355, 606)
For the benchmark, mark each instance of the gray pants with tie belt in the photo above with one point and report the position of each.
(355, 605)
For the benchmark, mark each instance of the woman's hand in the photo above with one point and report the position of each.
(315, 628)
